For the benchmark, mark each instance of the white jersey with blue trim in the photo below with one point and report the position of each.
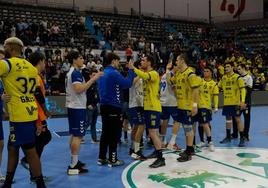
(136, 95)
(167, 96)
(74, 99)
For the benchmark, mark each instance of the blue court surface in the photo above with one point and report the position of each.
(248, 167)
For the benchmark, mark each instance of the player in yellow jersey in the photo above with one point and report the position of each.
(186, 83)
(20, 81)
(234, 93)
(208, 92)
(152, 106)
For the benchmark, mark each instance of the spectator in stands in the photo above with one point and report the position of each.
(55, 32)
(129, 53)
(102, 43)
(96, 26)
(98, 65)
(28, 52)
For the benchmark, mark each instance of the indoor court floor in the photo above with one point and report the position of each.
(228, 166)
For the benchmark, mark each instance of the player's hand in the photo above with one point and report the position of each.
(6, 97)
(39, 130)
(216, 110)
(169, 66)
(194, 111)
(243, 106)
(130, 64)
(97, 75)
(90, 107)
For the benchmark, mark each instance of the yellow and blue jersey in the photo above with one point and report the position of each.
(232, 87)
(151, 83)
(20, 80)
(207, 91)
(184, 83)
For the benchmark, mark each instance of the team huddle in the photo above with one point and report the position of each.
(179, 93)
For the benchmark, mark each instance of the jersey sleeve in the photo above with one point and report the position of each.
(241, 82)
(216, 90)
(77, 77)
(194, 81)
(151, 76)
(5, 67)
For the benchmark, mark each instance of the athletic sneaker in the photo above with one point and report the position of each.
(175, 147)
(225, 140)
(201, 145)
(242, 142)
(211, 147)
(247, 138)
(2, 179)
(76, 170)
(184, 152)
(95, 141)
(130, 151)
(24, 163)
(80, 164)
(138, 156)
(102, 162)
(152, 155)
(115, 164)
(45, 178)
(158, 163)
(184, 157)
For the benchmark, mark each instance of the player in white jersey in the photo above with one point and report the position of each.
(169, 108)
(136, 113)
(246, 113)
(76, 88)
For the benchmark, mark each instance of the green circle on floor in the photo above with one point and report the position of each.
(248, 155)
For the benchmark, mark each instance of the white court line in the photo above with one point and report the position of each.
(56, 134)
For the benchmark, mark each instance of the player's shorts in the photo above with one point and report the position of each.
(168, 111)
(152, 119)
(185, 117)
(204, 115)
(76, 119)
(22, 133)
(136, 115)
(231, 111)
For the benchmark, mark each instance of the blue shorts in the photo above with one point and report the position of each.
(1, 130)
(168, 111)
(185, 117)
(22, 133)
(152, 119)
(231, 111)
(136, 116)
(77, 119)
(204, 115)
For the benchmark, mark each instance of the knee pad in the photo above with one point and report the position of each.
(28, 146)
(188, 130)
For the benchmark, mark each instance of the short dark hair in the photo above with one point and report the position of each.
(72, 55)
(151, 59)
(137, 64)
(243, 66)
(184, 56)
(112, 56)
(36, 57)
(229, 63)
(209, 68)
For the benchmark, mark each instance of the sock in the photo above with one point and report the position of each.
(40, 182)
(173, 139)
(201, 133)
(241, 134)
(159, 154)
(209, 139)
(74, 161)
(9, 179)
(228, 133)
(163, 138)
(194, 141)
(189, 150)
(136, 147)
